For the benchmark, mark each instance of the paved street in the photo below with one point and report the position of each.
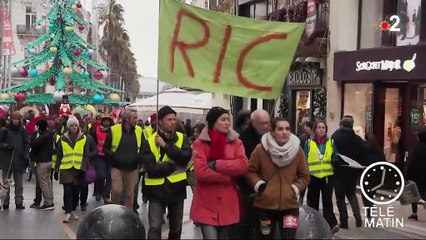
(31, 223)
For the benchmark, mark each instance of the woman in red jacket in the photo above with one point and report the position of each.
(218, 156)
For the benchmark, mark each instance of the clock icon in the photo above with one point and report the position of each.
(382, 183)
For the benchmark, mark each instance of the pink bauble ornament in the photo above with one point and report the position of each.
(23, 72)
(81, 27)
(20, 96)
(98, 75)
(77, 52)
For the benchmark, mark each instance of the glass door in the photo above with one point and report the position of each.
(392, 122)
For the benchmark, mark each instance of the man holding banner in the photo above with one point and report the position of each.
(165, 155)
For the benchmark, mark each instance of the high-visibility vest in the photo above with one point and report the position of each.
(89, 126)
(73, 157)
(320, 165)
(100, 137)
(178, 175)
(148, 131)
(116, 132)
(54, 157)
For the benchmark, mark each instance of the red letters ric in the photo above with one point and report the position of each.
(184, 46)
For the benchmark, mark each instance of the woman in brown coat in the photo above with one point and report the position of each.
(72, 158)
(278, 173)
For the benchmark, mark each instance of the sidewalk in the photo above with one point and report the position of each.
(410, 229)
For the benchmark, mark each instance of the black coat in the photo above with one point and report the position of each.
(42, 146)
(250, 139)
(351, 145)
(417, 162)
(179, 157)
(14, 141)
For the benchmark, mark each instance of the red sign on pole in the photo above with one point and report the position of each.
(7, 43)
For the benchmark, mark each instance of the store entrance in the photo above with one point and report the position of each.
(391, 121)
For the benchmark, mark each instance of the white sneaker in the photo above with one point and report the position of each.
(67, 218)
(74, 216)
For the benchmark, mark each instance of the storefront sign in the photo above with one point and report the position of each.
(305, 76)
(400, 63)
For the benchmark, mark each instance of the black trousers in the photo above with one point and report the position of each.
(245, 229)
(103, 177)
(325, 187)
(71, 193)
(285, 222)
(83, 193)
(346, 187)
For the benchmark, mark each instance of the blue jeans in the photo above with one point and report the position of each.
(103, 177)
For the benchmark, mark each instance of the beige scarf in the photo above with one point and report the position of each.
(281, 155)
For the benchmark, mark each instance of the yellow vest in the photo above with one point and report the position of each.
(320, 165)
(73, 157)
(54, 157)
(116, 132)
(148, 131)
(178, 175)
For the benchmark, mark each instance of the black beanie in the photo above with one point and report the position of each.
(164, 111)
(42, 124)
(214, 114)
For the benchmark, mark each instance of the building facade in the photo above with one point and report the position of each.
(378, 74)
(304, 93)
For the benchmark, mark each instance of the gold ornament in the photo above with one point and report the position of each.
(74, 7)
(69, 29)
(4, 96)
(114, 97)
(53, 49)
(67, 71)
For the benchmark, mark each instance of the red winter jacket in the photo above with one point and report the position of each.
(216, 196)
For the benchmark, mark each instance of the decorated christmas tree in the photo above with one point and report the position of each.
(67, 60)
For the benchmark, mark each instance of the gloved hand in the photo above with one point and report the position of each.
(212, 165)
(261, 188)
(56, 175)
(10, 148)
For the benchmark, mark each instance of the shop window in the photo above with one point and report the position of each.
(303, 109)
(410, 17)
(357, 103)
(372, 14)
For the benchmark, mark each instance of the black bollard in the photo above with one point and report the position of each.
(111, 222)
(312, 225)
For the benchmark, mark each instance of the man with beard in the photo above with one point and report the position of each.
(165, 156)
(15, 157)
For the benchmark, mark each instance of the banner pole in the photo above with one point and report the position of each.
(158, 67)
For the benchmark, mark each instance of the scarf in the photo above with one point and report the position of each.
(320, 140)
(281, 155)
(217, 145)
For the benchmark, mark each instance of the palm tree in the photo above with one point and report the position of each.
(116, 50)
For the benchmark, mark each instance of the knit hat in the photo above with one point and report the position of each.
(72, 120)
(164, 111)
(16, 115)
(214, 114)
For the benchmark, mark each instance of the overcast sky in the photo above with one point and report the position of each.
(141, 21)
